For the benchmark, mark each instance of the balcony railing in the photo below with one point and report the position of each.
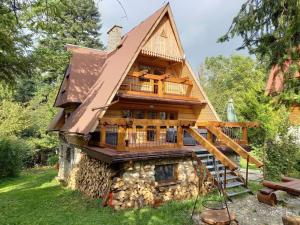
(155, 85)
(138, 134)
(145, 134)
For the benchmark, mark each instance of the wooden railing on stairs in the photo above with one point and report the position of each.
(212, 149)
(233, 145)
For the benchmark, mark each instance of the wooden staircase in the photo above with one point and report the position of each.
(234, 184)
(219, 165)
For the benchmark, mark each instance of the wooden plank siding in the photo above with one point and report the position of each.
(163, 42)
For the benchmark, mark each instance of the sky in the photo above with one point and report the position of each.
(199, 22)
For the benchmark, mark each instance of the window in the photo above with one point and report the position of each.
(165, 173)
(151, 115)
(151, 133)
(139, 114)
(69, 154)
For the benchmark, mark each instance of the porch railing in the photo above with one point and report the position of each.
(135, 134)
(156, 86)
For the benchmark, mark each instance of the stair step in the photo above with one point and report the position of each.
(234, 184)
(231, 177)
(201, 152)
(235, 193)
(214, 173)
(209, 161)
(204, 155)
(218, 166)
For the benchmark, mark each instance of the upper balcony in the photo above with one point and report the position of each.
(167, 88)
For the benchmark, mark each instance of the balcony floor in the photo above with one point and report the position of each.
(115, 156)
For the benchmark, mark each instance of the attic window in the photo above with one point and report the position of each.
(164, 34)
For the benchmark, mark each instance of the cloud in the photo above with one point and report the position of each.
(200, 23)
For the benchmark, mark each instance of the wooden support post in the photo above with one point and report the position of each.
(157, 133)
(245, 135)
(179, 136)
(247, 168)
(160, 88)
(121, 138)
(209, 136)
(103, 135)
(189, 90)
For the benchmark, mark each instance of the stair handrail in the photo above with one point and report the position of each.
(212, 149)
(233, 145)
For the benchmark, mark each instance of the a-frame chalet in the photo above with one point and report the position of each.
(135, 126)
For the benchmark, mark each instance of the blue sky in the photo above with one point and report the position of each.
(199, 22)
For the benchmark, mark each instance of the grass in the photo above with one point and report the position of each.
(36, 198)
(243, 164)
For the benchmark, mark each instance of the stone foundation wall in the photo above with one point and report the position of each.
(132, 184)
(136, 186)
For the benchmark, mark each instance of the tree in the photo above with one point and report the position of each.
(271, 30)
(233, 77)
(243, 80)
(67, 22)
(14, 54)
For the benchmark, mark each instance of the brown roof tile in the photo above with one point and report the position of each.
(83, 72)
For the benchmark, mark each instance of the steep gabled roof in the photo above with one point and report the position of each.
(84, 118)
(82, 73)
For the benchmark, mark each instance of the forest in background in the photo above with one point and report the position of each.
(32, 64)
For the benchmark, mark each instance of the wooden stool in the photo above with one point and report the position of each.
(218, 217)
(267, 196)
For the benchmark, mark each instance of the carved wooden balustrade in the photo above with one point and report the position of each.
(156, 85)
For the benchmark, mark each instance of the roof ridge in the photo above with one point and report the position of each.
(79, 46)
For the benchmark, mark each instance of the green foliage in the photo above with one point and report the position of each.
(15, 59)
(52, 159)
(13, 119)
(223, 78)
(271, 30)
(280, 155)
(12, 155)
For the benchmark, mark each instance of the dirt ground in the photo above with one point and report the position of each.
(249, 211)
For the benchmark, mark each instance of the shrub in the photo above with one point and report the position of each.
(12, 154)
(281, 156)
(52, 159)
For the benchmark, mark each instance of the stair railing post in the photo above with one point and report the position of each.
(247, 167)
(225, 177)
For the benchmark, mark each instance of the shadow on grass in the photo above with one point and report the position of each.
(37, 198)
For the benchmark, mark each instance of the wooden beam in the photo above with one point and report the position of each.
(138, 73)
(244, 135)
(212, 149)
(144, 122)
(227, 124)
(233, 145)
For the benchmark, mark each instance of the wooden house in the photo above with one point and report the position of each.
(135, 126)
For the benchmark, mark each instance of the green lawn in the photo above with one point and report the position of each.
(37, 198)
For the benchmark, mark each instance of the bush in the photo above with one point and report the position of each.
(52, 159)
(12, 153)
(281, 156)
